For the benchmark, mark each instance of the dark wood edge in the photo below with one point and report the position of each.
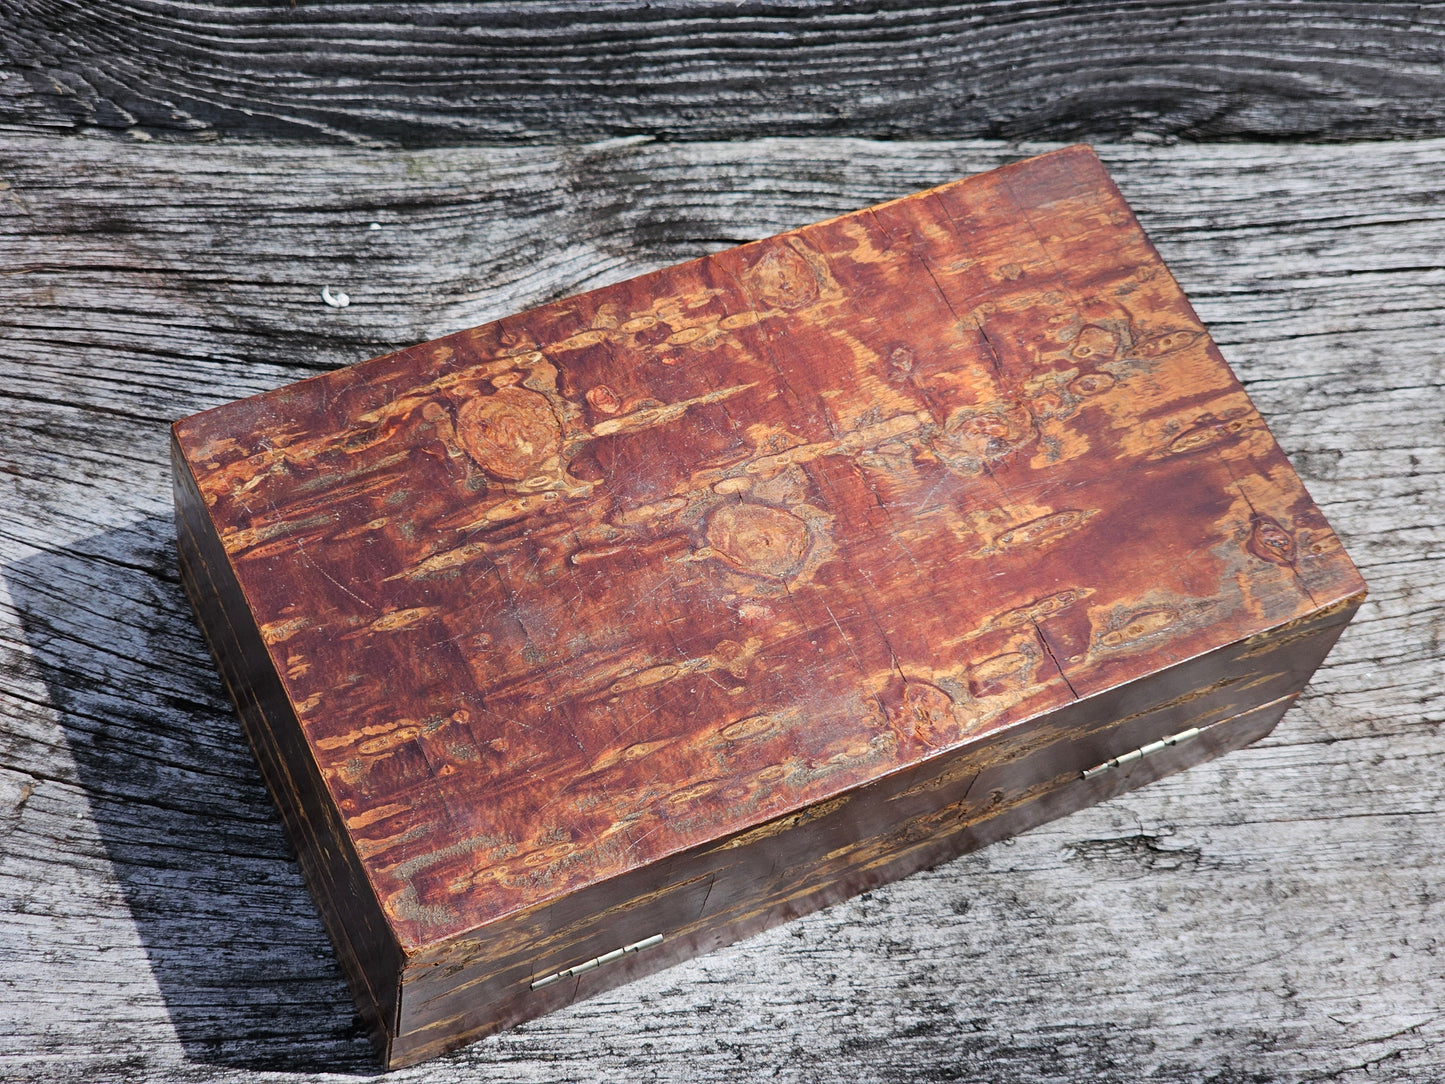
(329, 863)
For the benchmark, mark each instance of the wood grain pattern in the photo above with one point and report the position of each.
(1272, 914)
(472, 70)
(568, 595)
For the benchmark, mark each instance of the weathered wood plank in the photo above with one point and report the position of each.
(432, 73)
(1272, 915)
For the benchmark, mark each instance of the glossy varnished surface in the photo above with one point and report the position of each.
(635, 572)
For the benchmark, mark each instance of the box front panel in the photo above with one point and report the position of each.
(914, 819)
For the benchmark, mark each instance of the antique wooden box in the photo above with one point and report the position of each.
(591, 639)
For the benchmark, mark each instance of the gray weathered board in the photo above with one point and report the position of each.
(1275, 915)
(450, 71)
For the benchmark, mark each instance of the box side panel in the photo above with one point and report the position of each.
(364, 946)
(913, 819)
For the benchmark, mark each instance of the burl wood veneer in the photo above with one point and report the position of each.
(700, 601)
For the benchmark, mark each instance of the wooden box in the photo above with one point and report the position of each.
(588, 640)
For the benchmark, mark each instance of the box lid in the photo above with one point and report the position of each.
(633, 571)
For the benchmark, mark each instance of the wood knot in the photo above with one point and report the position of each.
(604, 400)
(783, 279)
(1038, 610)
(1270, 541)
(1094, 342)
(1121, 628)
(1091, 384)
(975, 436)
(509, 433)
(759, 538)
(923, 713)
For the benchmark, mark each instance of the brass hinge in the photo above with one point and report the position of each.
(1143, 751)
(598, 961)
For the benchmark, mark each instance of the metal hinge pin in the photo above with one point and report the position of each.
(1142, 752)
(598, 961)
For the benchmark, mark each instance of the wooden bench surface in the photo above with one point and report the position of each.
(1274, 915)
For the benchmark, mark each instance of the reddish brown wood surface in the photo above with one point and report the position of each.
(564, 603)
